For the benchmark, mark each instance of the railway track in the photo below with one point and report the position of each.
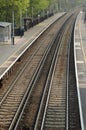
(11, 97)
(56, 114)
(25, 101)
(73, 109)
(28, 55)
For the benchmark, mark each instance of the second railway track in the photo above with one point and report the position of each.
(24, 105)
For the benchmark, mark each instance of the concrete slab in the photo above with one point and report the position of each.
(80, 64)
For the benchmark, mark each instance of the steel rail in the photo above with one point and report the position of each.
(52, 67)
(4, 98)
(42, 126)
(28, 92)
(35, 77)
(27, 97)
(50, 91)
(67, 79)
(31, 85)
(20, 73)
(32, 42)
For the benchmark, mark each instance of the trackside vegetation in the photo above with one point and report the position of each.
(27, 8)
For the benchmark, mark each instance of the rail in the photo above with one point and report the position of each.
(30, 87)
(56, 59)
(12, 64)
(17, 117)
(22, 106)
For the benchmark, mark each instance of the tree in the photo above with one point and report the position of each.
(32, 6)
(6, 8)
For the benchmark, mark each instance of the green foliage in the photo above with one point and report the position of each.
(7, 6)
(38, 6)
(26, 6)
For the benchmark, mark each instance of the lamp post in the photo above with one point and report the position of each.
(59, 5)
(26, 13)
(32, 15)
(43, 14)
(47, 13)
(13, 28)
(21, 24)
(38, 18)
(20, 19)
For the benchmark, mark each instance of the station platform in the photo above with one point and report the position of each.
(80, 64)
(9, 53)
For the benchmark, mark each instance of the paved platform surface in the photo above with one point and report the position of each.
(80, 63)
(9, 53)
